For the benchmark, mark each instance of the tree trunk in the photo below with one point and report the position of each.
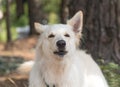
(101, 29)
(64, 11)
(35, 14)
(8, 21)
(19, 8)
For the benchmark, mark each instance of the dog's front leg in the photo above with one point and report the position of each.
(36, 79)
(35, 82)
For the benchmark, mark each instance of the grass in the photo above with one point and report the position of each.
(112, 74)
(9, 64)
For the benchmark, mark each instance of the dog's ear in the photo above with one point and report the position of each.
(39, 27)
(76, 22)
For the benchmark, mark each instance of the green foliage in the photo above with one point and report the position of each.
(52, 8)
(112, 74)
(14, 21)
(51, 5)
(53, 18)
(23, 20)
(9, 64)
(2, 31)
(3, 36)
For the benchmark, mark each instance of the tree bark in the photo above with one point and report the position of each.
(8, 21)
(101, 31)
(35, 14)
(19, 8)
(64, 11)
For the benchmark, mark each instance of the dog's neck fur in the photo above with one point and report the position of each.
(54, 66)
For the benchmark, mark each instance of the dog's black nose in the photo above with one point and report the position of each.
(61, 44)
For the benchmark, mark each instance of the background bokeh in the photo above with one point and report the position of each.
(18, 38)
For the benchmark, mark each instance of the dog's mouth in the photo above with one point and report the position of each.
(60, 53)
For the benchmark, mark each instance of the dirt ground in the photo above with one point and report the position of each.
(14, 81)
(22, 48)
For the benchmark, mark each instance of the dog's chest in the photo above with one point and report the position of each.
(61, 75)
(53, 74)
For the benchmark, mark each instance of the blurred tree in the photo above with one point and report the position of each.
(64, 11)
(19, 7)
(35, 14)
(101, 27)
(8, 21)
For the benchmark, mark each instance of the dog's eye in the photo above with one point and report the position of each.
(67, 35)
(51, 36)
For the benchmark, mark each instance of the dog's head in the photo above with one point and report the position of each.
(60, 39)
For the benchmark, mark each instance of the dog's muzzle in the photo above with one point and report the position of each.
(61, 44)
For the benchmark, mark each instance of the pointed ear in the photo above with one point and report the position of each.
(39, 27)
(76, 22)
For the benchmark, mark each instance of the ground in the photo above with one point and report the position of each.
(18, 51)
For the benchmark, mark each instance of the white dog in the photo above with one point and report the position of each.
(59, 62)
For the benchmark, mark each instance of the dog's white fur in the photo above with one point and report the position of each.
(75, 69)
